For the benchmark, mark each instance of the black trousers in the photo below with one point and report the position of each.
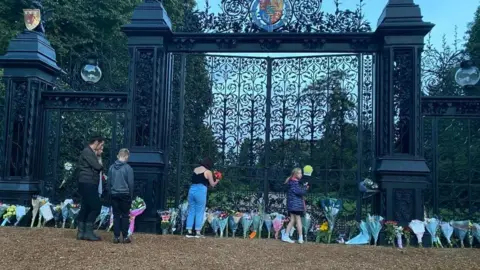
(121, 214)
(91, 205)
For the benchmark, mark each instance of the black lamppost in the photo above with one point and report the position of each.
(468, 74)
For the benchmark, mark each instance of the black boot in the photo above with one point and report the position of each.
(89, 234)
(81, 231)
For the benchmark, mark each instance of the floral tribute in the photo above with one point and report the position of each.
(165, 222)
(137, 208)
(391, 231)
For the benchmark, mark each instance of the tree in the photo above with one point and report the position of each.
(79, 28)
(473, 39)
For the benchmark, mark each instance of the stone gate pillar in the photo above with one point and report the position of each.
(149, 106)
(30, 67)
(401, 169)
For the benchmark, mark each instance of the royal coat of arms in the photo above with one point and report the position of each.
(271, 14)
(32, 18)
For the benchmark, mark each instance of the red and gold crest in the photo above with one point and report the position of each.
(32, 18)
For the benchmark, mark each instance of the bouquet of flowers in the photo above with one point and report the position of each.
(399, 233)
(20, 212)
(461, 229)
(110, 220)
(322, 232)
(470, 234)
(418, 229)
(165, 223)
(66, 211)
(362, 238)
(367, 185)
(68, 168)
(3, 208)
(102, 217)
(205, 217)
(57, 213)
(257, 225)
(407, 232)
(432, 225)
(277, 223)
(137, 208)
(74, 209)
(476, 231)
(223, 222)
(233, 221)
(9, 214)
(173, 218)
(352, 228)
(246, 223)
(183, 215)
(267, 219)
(447, 231)
(374, 225)
(306, 223)
(217, 175)
(35, 208)
(390, 231)
(213, 221)
(331, 208)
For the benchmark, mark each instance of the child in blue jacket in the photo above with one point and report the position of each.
(295, 204)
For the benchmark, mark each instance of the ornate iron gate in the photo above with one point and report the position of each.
(268, 115)
(71, 112)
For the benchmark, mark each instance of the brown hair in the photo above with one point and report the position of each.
(294, 171)
(207, 163)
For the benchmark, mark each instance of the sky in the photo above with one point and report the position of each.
(445, 14)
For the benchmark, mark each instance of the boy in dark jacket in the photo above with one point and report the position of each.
(120, 188)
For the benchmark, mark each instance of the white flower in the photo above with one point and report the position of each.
(67, 166)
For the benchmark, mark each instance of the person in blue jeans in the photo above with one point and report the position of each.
(202, 177)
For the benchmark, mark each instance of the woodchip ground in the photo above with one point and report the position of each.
(49, 248)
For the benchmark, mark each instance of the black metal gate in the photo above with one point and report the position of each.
(70, 113)
(263, 116)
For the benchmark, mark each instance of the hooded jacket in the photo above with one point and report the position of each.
(120, 179)
(295, 201)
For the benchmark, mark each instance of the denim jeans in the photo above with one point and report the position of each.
(197, 200)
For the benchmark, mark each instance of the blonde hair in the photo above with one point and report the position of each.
(294, 171)
(123, 153)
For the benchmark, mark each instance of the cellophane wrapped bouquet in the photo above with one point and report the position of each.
(165, 223)
(137, 208)
(9, 215)
(233, 221)
(223, 222)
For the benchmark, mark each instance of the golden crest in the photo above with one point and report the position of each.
(32, 18)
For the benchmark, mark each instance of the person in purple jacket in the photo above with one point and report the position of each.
(295, 204)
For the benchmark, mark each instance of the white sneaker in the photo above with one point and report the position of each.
(300, 241)
(199, 236)
(287, 239)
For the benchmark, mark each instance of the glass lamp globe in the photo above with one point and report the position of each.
(91, 73)
(468, 74)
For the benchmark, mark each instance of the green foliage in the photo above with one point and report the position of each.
(473, 41)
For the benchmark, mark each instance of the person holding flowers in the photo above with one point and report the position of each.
(120, 189)
(88, 177)
(295, 204)
(202, 177)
